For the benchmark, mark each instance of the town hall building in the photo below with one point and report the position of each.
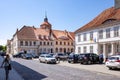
(30, 39)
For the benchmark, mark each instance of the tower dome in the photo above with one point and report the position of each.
(45, 24)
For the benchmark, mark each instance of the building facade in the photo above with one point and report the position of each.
(41, 40)
(102, 34)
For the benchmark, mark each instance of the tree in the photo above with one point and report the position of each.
(2, 48)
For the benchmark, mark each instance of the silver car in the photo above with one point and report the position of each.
(113, 62)
(47, 58)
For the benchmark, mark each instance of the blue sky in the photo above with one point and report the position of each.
(62, 14)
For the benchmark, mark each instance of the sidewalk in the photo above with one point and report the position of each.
(13, 75)
(95, 67)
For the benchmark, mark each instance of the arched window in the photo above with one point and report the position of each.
(60, 43)
(71, 43)
(40, 43)
(56, 43)
(71, 49)
(21, 43)
(34, 43)
(60, 49)
(68, 43)
(56, 50)
(68, 50)
(30, 43)
(26, 43)
(64, 43)
(51, 50)
(51, 43)
(47, 43)
(64, 50)
(44, 43)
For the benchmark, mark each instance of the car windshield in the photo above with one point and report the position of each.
(113, 58)
(60, 54)
(49, 56)
(28, 55)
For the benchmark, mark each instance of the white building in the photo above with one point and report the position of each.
(102, 34)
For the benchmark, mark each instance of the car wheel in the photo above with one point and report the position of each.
(40, 60)
(89, 62)
(81, 62)
(68, 61)
(110, 68)
(85, 62)
(72, 62)
(46, 62)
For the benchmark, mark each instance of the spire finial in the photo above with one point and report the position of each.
(45, 19)
(45, 14)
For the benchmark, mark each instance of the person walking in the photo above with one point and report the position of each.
(101, 58)
(7, 66)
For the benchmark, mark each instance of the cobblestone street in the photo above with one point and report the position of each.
(33, 70)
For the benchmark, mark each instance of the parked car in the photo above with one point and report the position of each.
(18, 55)
(113, 62)
(43, 53)
(3, 54)
(52, 54)
(34, 55)
(47, 58)
(26, 56)
(88, 58)
(61, 56)
(73, 58)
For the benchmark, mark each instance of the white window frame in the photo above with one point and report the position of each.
(108, 33)
(116, 31)
(85, 37)
(91, 35)
(100, 34)
(91, 49)
(79, 49)
(79, 37)
(84, 49)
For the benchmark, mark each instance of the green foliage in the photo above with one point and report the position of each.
(3, 48)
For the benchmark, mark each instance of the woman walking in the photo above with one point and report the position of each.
(7, 65)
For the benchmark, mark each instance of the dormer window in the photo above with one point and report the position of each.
(39, 36)
(47, 37)
(108, 21)
(42, 36)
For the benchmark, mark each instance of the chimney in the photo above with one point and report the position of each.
(117, 4)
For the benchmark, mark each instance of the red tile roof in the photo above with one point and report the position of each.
(32, 33)
(108, 14)
(26, 33)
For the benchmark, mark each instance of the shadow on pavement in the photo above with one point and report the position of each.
(27, 73)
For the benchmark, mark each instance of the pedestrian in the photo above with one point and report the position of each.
(58, 59)
(7, 66)
(101, 58)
